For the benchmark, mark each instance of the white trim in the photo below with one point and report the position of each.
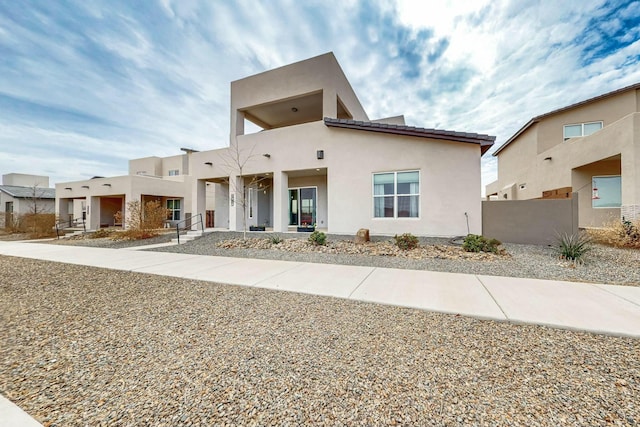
(395, 195)
(606, 176)
(582, 125)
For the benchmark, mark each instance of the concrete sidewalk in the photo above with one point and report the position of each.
(606, 309)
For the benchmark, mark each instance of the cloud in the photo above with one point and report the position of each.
(106, 81)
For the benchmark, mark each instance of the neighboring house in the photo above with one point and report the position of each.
(591, 148)
(24, 194)
(97, 200)
(319, 160)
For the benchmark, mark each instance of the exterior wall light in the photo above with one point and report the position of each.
(548, 158)
(267, 155)
(320, 154)
(68, 188)
(85, 186)
(106, 185)
(208, 163)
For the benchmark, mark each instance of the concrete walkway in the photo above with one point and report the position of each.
(606, 309)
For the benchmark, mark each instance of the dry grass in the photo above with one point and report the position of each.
(35, 226)
(616, 233)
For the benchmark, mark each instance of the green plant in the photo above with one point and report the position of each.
(477, 243)
(573, 247)
(275, 240)
(406, 241)
(318, 238)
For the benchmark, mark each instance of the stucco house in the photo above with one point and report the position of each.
(303, 151)
(591, 148)
(24, 194)
(96, 201)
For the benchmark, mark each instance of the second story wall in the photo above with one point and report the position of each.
(318, 82)
(608, 110)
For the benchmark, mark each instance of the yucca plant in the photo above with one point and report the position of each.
(573, 247)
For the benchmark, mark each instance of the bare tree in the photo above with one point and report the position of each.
(235, 161)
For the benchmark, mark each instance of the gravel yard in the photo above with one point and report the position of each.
(86, 346)
(603, 264)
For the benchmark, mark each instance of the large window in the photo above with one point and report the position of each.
(396, 194)
(606, 192)
(581, 129)
(173, 205)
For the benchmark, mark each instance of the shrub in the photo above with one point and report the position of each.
(618, 233)
(477, 243)
(573, 247)
(275, 240)
(318, 238)
(37, 225)
(406, 241)
(100, 233)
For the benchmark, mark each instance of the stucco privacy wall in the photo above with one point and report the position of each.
(449, 176)
(538, 222)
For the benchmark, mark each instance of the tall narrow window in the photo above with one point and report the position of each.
(396, 194)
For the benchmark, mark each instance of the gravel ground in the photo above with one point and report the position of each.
(86, 346)
(603, 265)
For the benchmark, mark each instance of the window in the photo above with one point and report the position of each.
(581, 129)
(250, 201)
(173, 205)
(396, 194)
(606, 192)
(174, 172)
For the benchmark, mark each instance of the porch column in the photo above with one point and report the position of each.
(93, 213)
(62, 209)
(199, 202)
(280, 201)
(236, 200)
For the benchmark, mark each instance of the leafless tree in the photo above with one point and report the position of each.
(234, 161)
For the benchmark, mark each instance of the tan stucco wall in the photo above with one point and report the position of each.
(608, 110)
(321, 73)
(449, 175)
(620, 140)
(25, 180)
(131, 187)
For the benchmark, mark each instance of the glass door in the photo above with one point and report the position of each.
(302, 206)
(293, 207)
(308, 206)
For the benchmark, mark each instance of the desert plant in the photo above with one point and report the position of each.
(275, 240)
(406, 241)
(619, 233)
(477, 243)
(149, 216)
(573, 247)
(318, 238)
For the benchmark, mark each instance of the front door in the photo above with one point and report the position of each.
(302, 206)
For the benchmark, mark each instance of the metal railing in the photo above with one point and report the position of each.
(188, 224)
(69, 223)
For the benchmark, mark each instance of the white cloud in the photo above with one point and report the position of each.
(157, 78)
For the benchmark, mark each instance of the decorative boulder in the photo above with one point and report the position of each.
(362, 236)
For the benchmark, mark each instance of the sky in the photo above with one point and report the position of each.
(87, 85)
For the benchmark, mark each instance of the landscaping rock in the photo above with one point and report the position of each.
(362, 236)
